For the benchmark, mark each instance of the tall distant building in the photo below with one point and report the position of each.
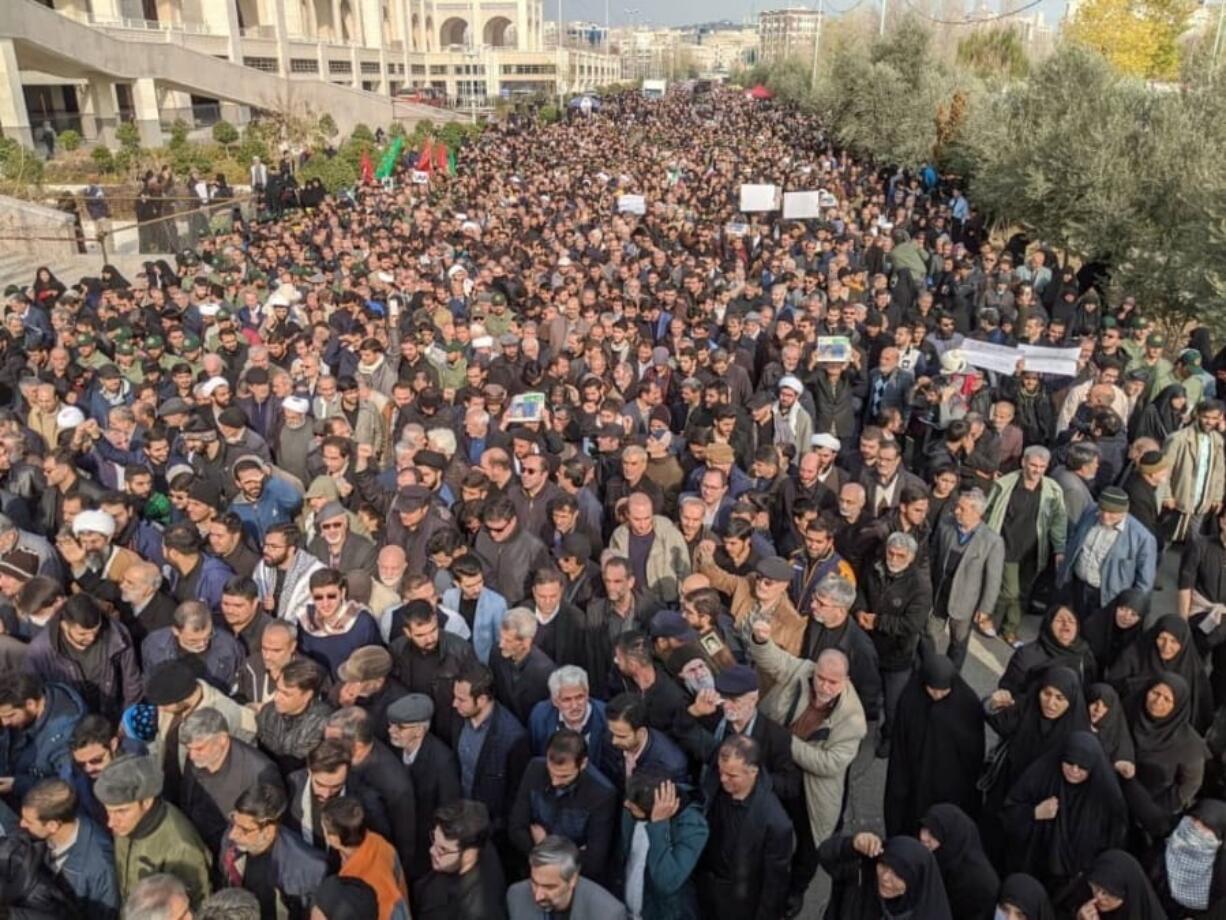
(787, 33)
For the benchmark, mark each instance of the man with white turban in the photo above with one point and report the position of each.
(94, 562)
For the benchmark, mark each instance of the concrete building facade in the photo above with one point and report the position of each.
(227, 56)
(787, 33)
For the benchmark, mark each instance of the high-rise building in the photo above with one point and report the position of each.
(787, 33)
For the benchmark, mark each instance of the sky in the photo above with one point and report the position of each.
(687, 12)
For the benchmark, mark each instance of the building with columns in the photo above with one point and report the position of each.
(86, 63)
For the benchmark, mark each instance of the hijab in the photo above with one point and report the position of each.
(1113, 731)
(937, 746)
(1036, 734)
(1107, 640)
(1077, 655)
(1161, 419)
(925, 897)
(970, 881)
(1137, 669)
(1192, 858)
(1028, 895)
(1165, 744)
(1120, 874)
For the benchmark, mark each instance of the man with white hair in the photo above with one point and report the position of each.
(521, 670)
(1027, 509)
(967, 562)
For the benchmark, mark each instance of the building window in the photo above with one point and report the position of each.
(419, 69)
(438, 70)
(370, 67)
(340, 66)
(303, 65)
(266, 64)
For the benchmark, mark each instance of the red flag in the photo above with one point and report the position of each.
(440, 157)
(425, 159)
(368, 169)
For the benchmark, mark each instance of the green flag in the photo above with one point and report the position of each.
(388, 164)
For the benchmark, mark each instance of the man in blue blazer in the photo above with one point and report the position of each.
(1108, 552)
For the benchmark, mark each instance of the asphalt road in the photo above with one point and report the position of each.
(984, 665)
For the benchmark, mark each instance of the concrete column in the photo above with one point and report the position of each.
(521, 25)
(14, 119)
(101, 101)
(478, 33)
(106, 10)
(145, 103)
(336, 21)
(282, 38)
(355, 63)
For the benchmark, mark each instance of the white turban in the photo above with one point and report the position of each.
(791, 383)
(296, 404)
(210, 386)
(93, 522)
(69, 417)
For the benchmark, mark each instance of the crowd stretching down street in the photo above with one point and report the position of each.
(483, 548)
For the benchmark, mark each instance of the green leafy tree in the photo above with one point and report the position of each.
(1138, 37)
(336, 173)
(995, 52)
(128, 136)
(18, 164)
(178, 133)
(326, 126)
(225, 134)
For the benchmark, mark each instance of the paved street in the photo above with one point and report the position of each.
(984, 666)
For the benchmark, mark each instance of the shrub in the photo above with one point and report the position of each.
(225, 133)
(70, 140)
(336, 173)
(396, 129)
(178, 133)
(104, 160)
(549, 114)
(128, 137)
(19, 164)
(327, 126)
(362, 132)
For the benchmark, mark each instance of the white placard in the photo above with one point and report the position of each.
(631, 204)
(1040, 359)
(986, 356)
(421, 178)
(736, 229)
(801, 205)
(759, 198)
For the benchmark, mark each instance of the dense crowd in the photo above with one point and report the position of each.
(480, 548)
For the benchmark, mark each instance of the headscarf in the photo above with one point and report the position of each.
(1077, 655)
(1028, 895)
(1120, 874)
(1107, 640)
(1166, 742)
(925, 897)
(1137, 668)
(970, 881)
(1036, 734)
(1191, 855)
(1113, 732)
(1160, 419)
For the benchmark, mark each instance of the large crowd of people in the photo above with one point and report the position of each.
(492, 547)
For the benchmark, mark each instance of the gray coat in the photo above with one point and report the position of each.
(591, 902)
(976, 581)
(1077, 497)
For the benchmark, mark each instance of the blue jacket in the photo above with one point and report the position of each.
(41, 751)
(661, 757)
(491, 608)
(1132, 561)
(297, 869)
(223, 659)
(89, 872)
(673, 850)
(210, 580)
(545, 719)
(279, 503)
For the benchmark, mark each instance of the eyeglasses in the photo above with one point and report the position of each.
(498, 528)
(334, 525)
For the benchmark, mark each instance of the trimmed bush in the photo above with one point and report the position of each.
(336, 173)
(103, 159)
(70, 140)
(225, 133)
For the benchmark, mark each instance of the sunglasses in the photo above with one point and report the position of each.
(334, 525)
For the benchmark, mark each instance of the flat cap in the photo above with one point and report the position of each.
(19, 563)
(412, 497)
(330, 511)
(370, 662)
(1113, 499)
(411, 709)
(776, 568)
(670, 624)
(174, 406)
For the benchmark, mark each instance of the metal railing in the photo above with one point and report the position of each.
(264, 31)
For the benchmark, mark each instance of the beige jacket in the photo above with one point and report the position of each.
(825, 760)
(1182, 450)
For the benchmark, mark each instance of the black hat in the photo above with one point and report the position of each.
(431, 458)
(109, 372)
(736, 680)
(257, 375)
(204, 491)
(170, 683)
